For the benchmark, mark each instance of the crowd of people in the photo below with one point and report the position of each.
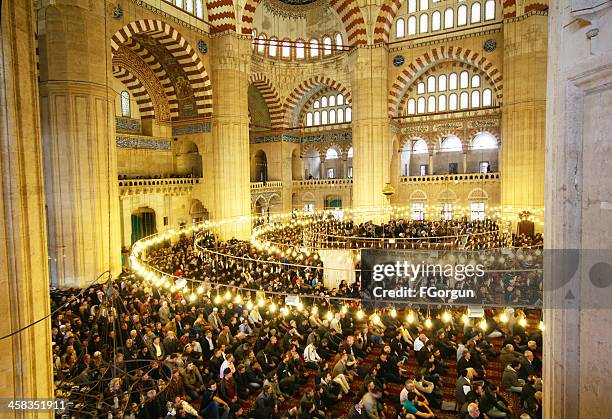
(148, 352)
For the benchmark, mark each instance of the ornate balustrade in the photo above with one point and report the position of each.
(463, 177)
(168, 186)
(317, 183)
(262, 186)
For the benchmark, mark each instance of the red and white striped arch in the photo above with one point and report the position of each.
(384, 21)
(178, 46)
(138, 91)
(271, 97)
(221, 14)
(303, 91)
(348, 11)
(429, 59)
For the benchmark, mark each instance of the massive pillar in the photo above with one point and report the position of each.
(230, 151)
(371, 126)
(524, 112)
(78, 142)
(25, 357)
(578, 307)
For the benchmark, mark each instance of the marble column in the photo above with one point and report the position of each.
(578, 311)
(523, 113)
(78, 130)
(25, 358)
(371, 126)
(230, 151)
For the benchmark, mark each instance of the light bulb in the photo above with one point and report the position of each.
(465, 319)
(393, 312)
(503, 317)
(260, 302)
(228, 295)
(272, 308)
(522, 322)
(217, 299)
(249, 305)
(360, 314)
(238, 299)
(483, 324)
(410, 317)
(192, 297)
(428, 323)
(376, 318)
(315, 309)
(172, 289)
(344, 309)
(200, 290)
(300, 306)
(329, 316)
(446, 317)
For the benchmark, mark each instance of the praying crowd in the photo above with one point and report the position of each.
(146, 352)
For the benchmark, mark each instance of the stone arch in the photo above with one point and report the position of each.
(303, 92)
(418, 195)
(384, 21)
(312, 99)
(348, 11)
(221, 15)
(180, 49)
(477, 194)
(447, 195)
(271, 97)
(137, 90)
(443, 53)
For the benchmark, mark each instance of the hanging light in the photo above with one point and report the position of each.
(249, 305)
(522, 322)
(446, 317)
(483, 324)
(329, 316)
(300, 306)
(260, 302)
(428, 323)
(393, 312)
(410, 317)
(172, 289)
(465, 319)
(200, 290)
(315, 309)
(360, 314)
(503, 317)
(217, 299)
(272, 307)
(192, 297)
(238, 299)
(228, 295)
(344, 309)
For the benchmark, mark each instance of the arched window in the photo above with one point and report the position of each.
(299, 50)
(340, 99)
(424, 4)
(412, 25)
(451, 143)
(464, 100)
(431, 104)
(483, 141)
(475, 80)
(340, 115)
(411, 108)
(431, 84)
(125, 103)
(436, 21)
(332, 116)
(452, 102)
(423, 23)
(452, 81)
(462, 15)
(412, 6)
(179, 3)
(286, 49)
(317, 118)
(332, 100)
(331, 154)
(254, 33)
(475, 99)
(449, 18)
(338, 41)
(464, 80)
(420, 147)
(349, 153)
(487, 97)
(421, 105)
(189, 6)
(327, 45)
(324, 102)
(442, 83)
(349, 114)
(323, 117)
(421, 88)
(261, 47)
(442, 103)
(272, 47)
(317, 104)
(309, 119)
(475, 14)
(314, 48)
(200, 10)
(400, 28)
(490, 9)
